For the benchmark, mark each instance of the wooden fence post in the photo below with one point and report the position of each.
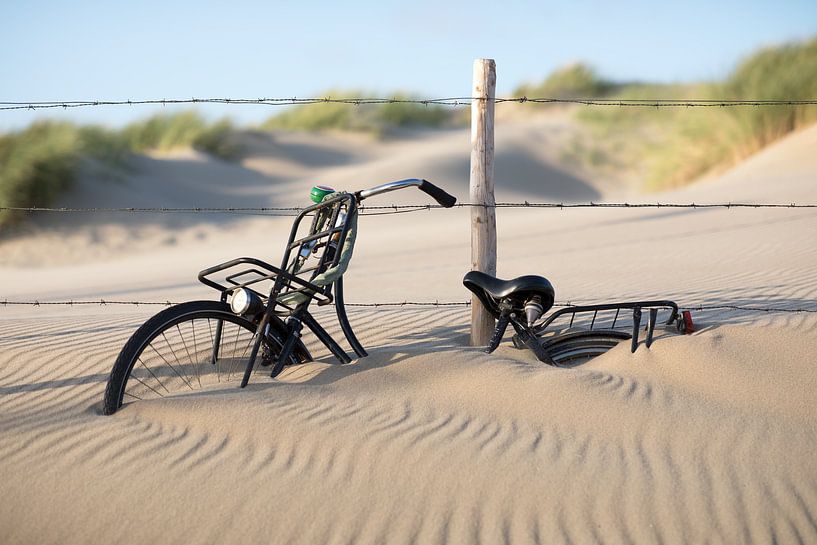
(483, 218)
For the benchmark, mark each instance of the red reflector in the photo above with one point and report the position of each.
(689, 326)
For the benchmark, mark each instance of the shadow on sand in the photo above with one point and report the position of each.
(521, 172)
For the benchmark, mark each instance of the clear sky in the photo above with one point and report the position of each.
(76, 50)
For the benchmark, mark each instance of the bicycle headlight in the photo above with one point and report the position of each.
(245, 302)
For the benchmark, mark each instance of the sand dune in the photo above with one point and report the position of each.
(706, 438)
(701, 438)
(278, 171)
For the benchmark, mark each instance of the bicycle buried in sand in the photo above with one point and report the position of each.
(522, 303)
(198, 344)
(256, 324)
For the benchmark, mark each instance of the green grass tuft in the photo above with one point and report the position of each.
(788, 72)
(331, 115)
(186, 129)
(673, 146)
(375, 118)
(40, 162)
(36, 165)
(576, 80)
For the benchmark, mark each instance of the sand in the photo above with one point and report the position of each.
(707, 438)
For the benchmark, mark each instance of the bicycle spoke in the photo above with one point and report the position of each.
(212, 347)
(169, 364)
(178, 362)
(162, 384)
(192, 362)
(173, 353)
(195, 351)
(249, 345)
(235, 351)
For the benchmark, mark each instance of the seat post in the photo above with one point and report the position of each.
(499, 331)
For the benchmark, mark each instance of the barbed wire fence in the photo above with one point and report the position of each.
(398, 209)
(401, 208)
(103, 302)
(445, 101)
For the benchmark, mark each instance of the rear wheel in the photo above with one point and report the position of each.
(185, 348)
(573, 349)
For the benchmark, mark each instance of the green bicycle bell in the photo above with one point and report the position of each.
(319, 192)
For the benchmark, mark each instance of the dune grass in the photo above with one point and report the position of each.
(40, 162)
(36, 165)
(577, 80)
(665, 147)
(373, 118)
(673, 146)
(186, 129)
(780, 73)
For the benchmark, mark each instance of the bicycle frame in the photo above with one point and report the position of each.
(522, 302)
(272, 303)
(290, 294)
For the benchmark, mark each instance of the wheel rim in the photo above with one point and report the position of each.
(576, 349)
(577, 355)
(177, 359)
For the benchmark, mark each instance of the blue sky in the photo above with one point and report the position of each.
(75, 50)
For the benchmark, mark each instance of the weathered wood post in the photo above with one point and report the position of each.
(483, 218)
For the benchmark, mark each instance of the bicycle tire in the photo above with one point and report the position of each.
(574, 349)
(172, 352)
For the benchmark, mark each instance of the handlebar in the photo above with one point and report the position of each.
(446, 200)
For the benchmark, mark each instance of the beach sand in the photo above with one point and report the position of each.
(706, 438)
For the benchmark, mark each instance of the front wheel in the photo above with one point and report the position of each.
(184, 348)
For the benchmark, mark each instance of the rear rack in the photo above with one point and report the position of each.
(618, 307)
(604, 323)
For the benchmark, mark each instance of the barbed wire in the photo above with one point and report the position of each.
(445, 101)
(100, 302)
(591, 204)
(660, 103)
(288, 211)
(103, 303)
(701, 308)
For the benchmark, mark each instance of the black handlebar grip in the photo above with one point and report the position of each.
(438, 194)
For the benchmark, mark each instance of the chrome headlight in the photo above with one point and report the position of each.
(245, 302)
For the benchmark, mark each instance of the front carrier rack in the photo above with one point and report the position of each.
(312, 267)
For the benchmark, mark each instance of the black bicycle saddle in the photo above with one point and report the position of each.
(491, 290)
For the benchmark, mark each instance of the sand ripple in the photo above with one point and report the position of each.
(408, 447)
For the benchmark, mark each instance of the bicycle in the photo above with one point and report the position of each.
(523, 301)
(191, 345)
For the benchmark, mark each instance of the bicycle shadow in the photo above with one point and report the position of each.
(96, 378)
(442, 342)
